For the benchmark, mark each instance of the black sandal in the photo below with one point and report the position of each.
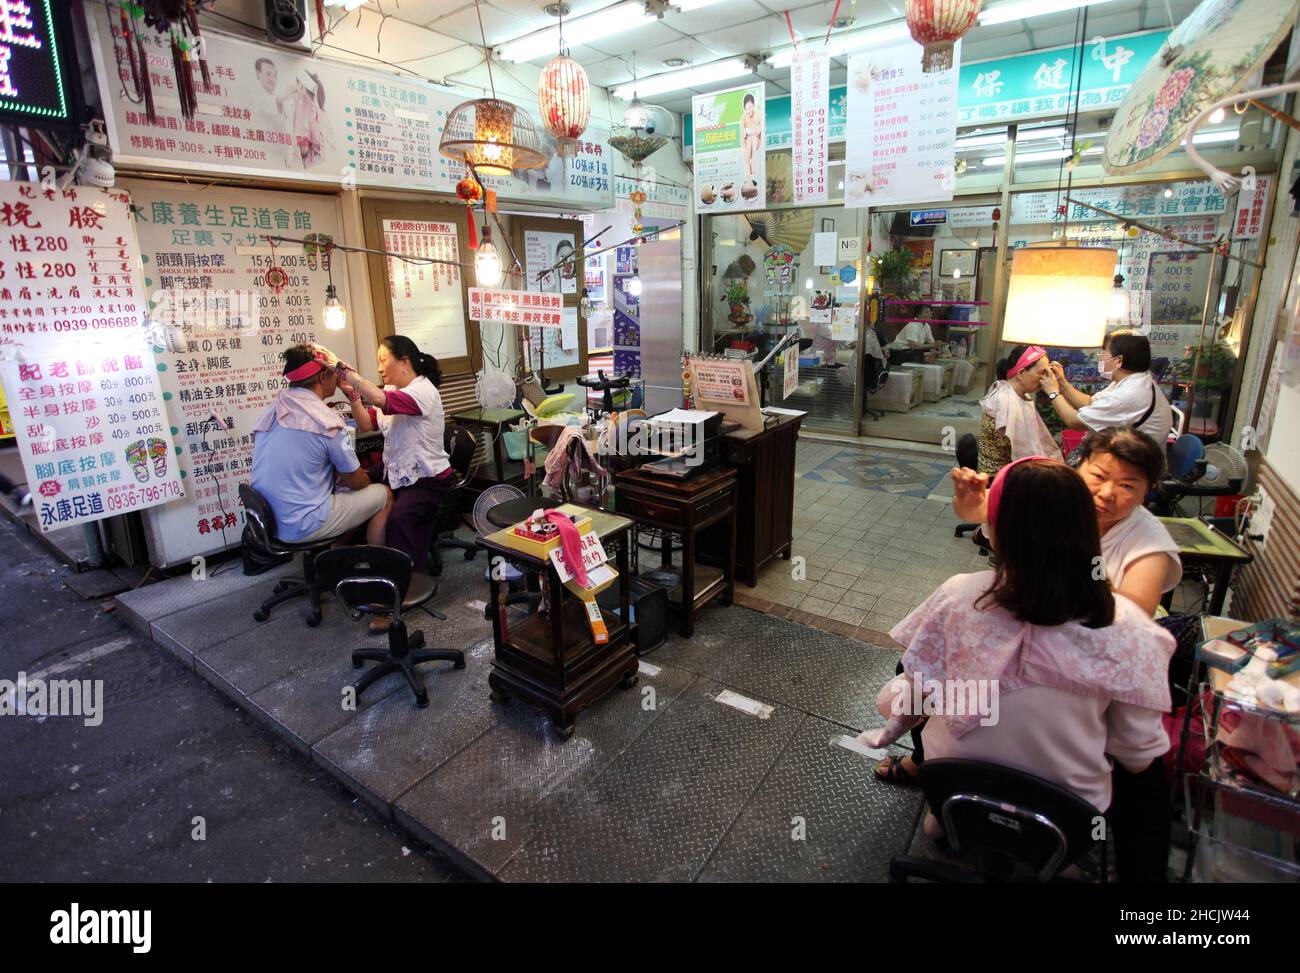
(894, 771)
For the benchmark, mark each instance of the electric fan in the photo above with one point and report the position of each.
(1224, 466)
(494, 495)
(494, 389)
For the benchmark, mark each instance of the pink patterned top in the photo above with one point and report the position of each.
(1065, 696)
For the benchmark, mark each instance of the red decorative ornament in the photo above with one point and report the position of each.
(469, 191)
(564, 98)
(938, 25)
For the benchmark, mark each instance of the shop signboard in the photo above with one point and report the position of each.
(929, 217)
(810, 118)
(36, 63)
(82, 384)
(276, 113)
(515, 307)
(1249, 219)
(971, 217)
(790, 372)
(1002, 90)
(1044, 84)
(721, 381)
(730, 162)
(902, 129)
(221, 330)
(1195, 198)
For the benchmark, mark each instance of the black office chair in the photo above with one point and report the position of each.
(875, 376)
(1013, 826)
(261, 534)
(968, 457)
(460, 445)
(381, 581)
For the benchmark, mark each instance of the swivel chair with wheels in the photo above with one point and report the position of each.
(1015, 827)
(381, 581)
(261, 533)
(460, 445)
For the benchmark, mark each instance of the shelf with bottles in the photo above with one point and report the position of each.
(926, 301)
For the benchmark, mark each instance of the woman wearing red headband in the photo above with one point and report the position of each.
(1011, 427)
(1073, 677)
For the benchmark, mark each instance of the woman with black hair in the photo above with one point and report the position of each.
(1010, 426)
(1035, 666)
(1133, 398)
(410, 413)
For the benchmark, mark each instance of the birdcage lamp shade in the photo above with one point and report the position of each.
(1059, 296)
(937, 25)
(492, 136)
(564, 98)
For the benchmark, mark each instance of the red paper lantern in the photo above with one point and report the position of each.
(938, 25)
(564, 97)
(469, 191)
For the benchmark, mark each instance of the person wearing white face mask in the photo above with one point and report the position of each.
(1131, 399)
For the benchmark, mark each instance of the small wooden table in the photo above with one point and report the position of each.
(1199, 543)
(551, 661)
(687, 507)
(493, 421)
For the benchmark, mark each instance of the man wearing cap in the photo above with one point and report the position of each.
(304, 462)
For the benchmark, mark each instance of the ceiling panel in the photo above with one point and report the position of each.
(645, 36)
(741, 38)
(498, 26)
(711, 18)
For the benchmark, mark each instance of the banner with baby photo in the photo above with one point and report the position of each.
(730, 161)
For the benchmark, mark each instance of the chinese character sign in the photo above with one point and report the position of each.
(730, 159)
(428, 306)
(93, 432)
(810, 118)
(220, 329)
(515, 307)
(278, 113)
(902, 129)
(81, 383)
(33, 79)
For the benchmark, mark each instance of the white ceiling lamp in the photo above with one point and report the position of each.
(612, 20)
(1001, 138)
(1203, 138)
(1058, 296)
(685, 6)
(850, 41)
(696, 77)
(347, 5)
(1003, 13)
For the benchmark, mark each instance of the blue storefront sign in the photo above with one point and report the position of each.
(929, 217)
(1010, 89)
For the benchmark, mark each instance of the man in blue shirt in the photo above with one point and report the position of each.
(302, 452)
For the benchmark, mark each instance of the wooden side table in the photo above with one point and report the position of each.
(550, 660)
(687, 507)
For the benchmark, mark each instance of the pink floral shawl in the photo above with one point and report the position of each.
(948, 638)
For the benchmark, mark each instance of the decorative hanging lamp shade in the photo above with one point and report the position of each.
(564, 97)
(493, 136)
(937, 25)
(1059, 296)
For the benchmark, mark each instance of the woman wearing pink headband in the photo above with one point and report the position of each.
(1010, 426)
(1070, 681)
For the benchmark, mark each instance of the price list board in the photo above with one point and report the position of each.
(428, 300)
(220, 330)
(81, 382)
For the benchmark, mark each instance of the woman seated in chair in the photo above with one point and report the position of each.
(1076, 677)
(1010, 426)
(1119, 467)
(411, 416)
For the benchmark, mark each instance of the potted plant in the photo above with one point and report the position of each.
(893, 272)
(1209, 378)
(737, 300)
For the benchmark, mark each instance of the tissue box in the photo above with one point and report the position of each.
(1222, 655)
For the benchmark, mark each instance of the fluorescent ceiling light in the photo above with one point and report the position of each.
(1208, 137)
(1001, 138)
(1025, 9)
(612, 20)
(687, 5)
(851, 41)
(657, 84)
(1050, 155)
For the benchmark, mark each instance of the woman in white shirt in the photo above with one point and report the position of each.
(410, 414)
(1131, 399)
(1075, 678)
(1119, 467)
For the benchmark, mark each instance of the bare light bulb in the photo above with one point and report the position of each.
(1169, 194)
(487, 265)
(956, 273)
(634, 286)
(334, 314)
(1217, 116)
(636, 115)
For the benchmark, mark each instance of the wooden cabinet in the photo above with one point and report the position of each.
(764, 465)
